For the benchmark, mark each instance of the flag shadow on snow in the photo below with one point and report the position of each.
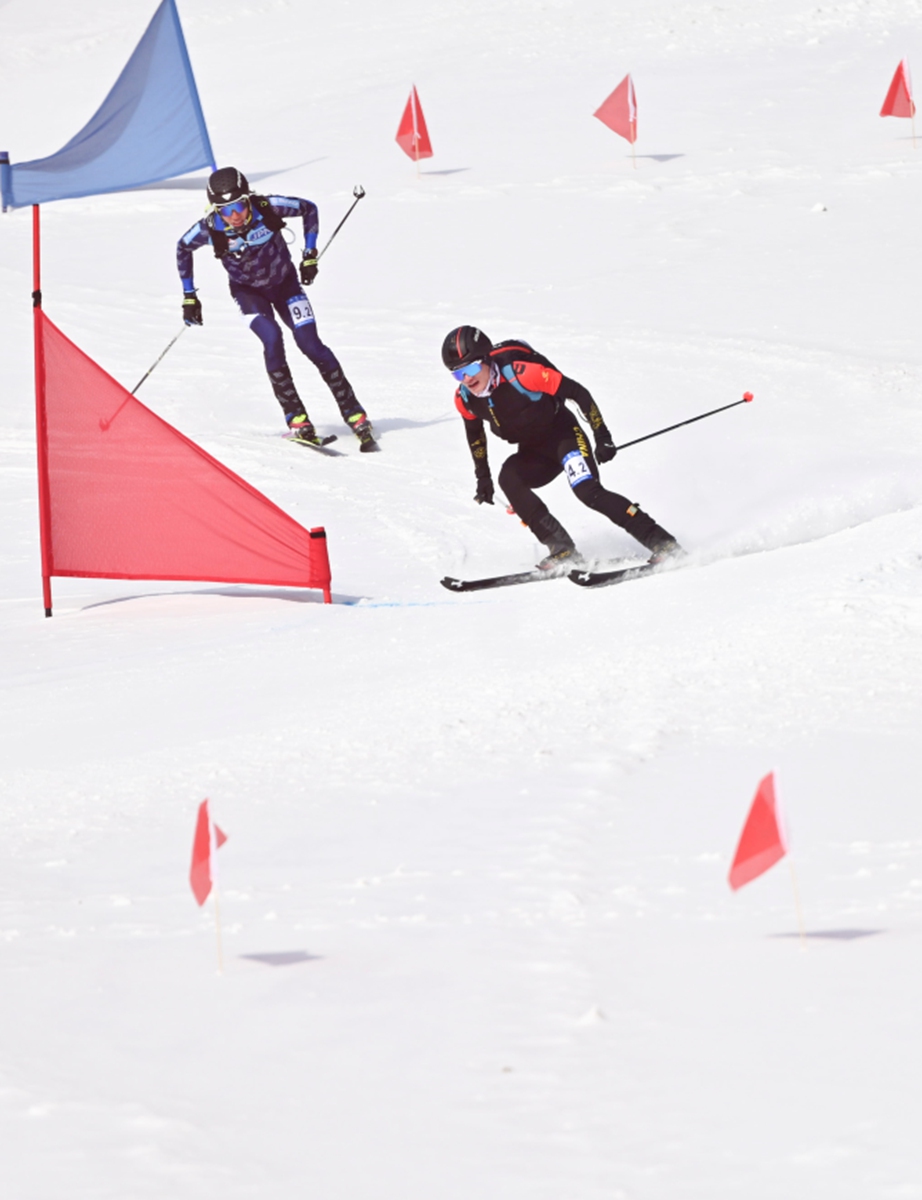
(242, 591)
(198, 183)
(282, 958)
(447, 171)
(833, 935)
(661, 157)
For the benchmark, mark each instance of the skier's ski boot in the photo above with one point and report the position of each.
(561, 551)
(661, 544)
(667, 551)
(302, 430)
(363, 430)
(566, 557)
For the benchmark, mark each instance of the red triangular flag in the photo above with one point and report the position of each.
(762, 841)
(899, 101)
(129, 497)
(413, 136)
(619, 111)
(208, 837)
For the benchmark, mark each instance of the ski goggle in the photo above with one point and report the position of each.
(239, 207)
(467, 372)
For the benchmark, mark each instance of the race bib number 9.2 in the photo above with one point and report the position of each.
(301, 311)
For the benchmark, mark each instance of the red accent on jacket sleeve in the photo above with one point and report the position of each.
(536, 378)
(463, 408)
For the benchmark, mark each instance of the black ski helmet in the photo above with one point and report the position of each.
(465, 345)
(226, 185)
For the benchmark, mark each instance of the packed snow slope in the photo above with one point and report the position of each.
(478, 937)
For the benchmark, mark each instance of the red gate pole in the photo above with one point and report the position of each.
(41, 420)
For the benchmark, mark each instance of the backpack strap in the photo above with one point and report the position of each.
(260, 205)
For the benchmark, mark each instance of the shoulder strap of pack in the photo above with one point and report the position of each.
(218, 237)
(518, 347)
(270, 218)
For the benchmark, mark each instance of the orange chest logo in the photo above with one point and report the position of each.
(536, 377)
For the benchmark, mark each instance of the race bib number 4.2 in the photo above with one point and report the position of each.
(301, 311)
(577, 468)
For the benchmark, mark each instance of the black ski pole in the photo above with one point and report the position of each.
(747, 399)
(358, 191)
(170, 345)
(105, 422)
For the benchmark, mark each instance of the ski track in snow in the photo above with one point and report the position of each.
(477, 931)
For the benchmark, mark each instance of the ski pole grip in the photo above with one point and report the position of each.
(748, 397)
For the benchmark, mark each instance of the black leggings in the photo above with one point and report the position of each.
(565, 447)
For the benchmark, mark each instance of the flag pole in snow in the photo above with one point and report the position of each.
(415, 133)
(619, 112)
(800, 915)
(763, 843)
(41, 418)
(217, 927)
(203, 874)
(412, 133)
(899, 102)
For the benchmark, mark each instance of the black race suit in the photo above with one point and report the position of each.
(526, 405)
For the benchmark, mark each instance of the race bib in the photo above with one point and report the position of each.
(577, 468)
(301, 311)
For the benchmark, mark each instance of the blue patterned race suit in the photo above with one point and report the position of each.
(263, 281)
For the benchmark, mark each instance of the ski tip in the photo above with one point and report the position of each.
(453, 585)
(748, 397)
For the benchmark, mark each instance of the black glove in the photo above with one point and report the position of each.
(191, 308)
(309, 267)
(605, 448)
(484, 493)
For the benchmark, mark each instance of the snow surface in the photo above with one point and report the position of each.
(477, 930)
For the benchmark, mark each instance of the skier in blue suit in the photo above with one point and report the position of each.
(244, 230)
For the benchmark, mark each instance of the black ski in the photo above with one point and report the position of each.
(498, 581)
(593, 579)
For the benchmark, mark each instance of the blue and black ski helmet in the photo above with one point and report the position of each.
(226, 185)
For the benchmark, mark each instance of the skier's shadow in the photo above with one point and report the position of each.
(833, 935)
(282, 958)
(388, 424)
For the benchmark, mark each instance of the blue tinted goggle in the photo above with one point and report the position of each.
(467, 372)
(228, 210)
